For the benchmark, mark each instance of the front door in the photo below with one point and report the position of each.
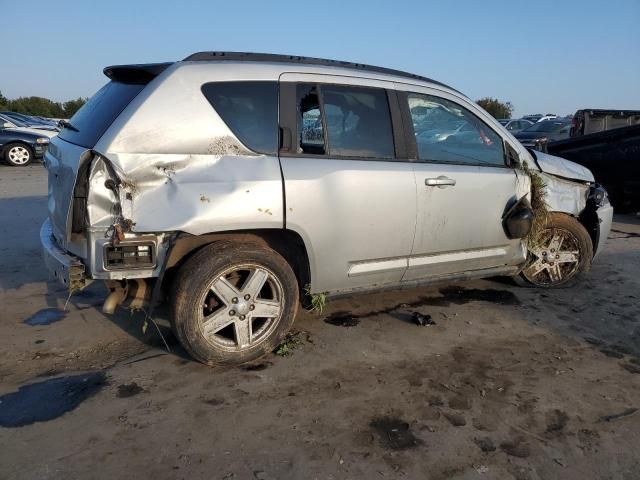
(463, 189)
(347, 192)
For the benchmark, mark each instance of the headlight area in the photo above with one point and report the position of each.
(42, 140)
(597, 195)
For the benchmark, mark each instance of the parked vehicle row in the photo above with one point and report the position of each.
(20, 143)
(515, 125)
(30, 121)
(293, 176)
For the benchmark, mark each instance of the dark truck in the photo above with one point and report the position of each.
(587, 121)
(607, 142)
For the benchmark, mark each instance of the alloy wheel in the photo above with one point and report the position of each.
(555, 259)
(241, 307)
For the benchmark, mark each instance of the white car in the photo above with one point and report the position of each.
(547, 117)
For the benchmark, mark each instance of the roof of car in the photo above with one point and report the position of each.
(143, 73)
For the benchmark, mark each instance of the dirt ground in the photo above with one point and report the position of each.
(509, 383)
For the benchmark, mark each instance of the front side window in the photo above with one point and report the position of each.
(448, 133)
(250, 110)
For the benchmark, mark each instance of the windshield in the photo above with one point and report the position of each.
(548, 126)
(95, 116)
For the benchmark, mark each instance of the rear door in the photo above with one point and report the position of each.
(463, 189)
(349, 189)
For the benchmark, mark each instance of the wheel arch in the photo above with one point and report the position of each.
(289, 244)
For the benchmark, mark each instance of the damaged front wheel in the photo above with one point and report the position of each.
(562, 251)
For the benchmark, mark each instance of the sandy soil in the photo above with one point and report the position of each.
(509, 383)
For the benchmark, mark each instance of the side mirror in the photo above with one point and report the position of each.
(518, 220)
(7, 125)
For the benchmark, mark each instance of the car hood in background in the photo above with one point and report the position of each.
(562, 168)
(37, 131)
(522, 135)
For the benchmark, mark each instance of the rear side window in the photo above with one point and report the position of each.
(449, 133)
(358, 122)
(95, 116)
(250, 110)
(342, 121)
(310, 126)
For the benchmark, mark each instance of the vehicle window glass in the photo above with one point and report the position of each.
(95, 116)
(358, 122)
(310, 122)
(250, 110)
(448, 133)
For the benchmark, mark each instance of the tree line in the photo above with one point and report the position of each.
(41, 107)
(496, 108)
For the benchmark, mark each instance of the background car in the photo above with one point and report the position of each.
(30, 122)
(540, 133)
(18, 146)
(9, 122)
(515, 125)
(533, 118)
(548, 116)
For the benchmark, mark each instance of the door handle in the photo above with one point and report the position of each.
(440, 182)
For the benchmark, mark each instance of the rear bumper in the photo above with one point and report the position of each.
(66, 268)
(605, 217)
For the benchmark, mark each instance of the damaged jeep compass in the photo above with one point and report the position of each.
(234, 185)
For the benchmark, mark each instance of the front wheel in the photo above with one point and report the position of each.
(233, 303)
(562, 252)
(18, 155)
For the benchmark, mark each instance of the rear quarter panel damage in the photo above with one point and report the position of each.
(199, 194)
(182, 168)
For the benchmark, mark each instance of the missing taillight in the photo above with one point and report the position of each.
(139, 255)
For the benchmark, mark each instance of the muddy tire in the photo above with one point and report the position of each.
(564, 254)
(232, 303)
(18, 154)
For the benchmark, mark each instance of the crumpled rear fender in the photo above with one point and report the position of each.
(198, 194)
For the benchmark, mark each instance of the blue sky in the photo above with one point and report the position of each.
(544, 56)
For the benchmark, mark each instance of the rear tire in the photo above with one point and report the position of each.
(232, 303)
(564, 254)
(18, 154)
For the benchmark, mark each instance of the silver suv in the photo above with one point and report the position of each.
(236, 185)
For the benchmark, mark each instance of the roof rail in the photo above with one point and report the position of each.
(273, 57)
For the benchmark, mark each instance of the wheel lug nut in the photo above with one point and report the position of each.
(234, 300)
(232, 312)
(242, 317)
(557, 256)
(252, 307)
(247, 296)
